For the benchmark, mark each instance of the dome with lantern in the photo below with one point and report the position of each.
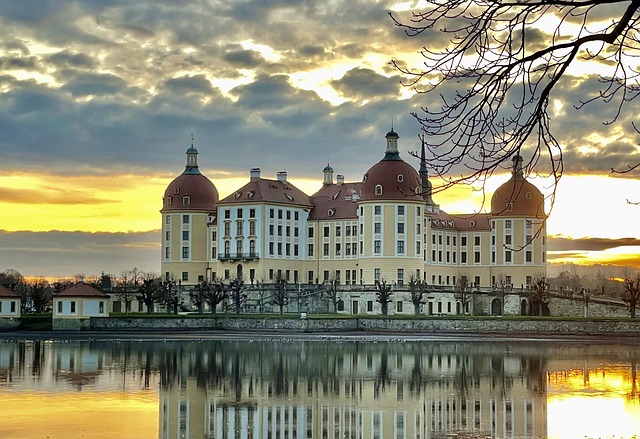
(518, 197)
(190, 190)
(391, 179)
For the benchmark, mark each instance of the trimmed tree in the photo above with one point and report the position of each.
(463, 293)
(418, 289)
(631, 295)
(280, 294)
(236, 287)
(383, 295)
(539, 295)
(332, 293)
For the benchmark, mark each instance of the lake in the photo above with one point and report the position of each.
(326, 387)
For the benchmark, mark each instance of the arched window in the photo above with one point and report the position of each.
(239, 246)
(378, 189)
(227, 247)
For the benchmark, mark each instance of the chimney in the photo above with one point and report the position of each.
(282, 176)
(254, 173)
(340, 179)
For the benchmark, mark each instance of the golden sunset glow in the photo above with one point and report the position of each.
(599, 403)
(96, 414)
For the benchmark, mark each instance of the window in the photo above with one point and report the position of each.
(101, 307)
(400, 247)
(338, 249)
(59, 307)
(369, 305)
(186, 201)
(271, 248)
(295, 250)
(326, 250)
(167, 252)
(376, 274)
(239, 213)
(326, 231)
(378, 189)
(288, 214)
(377, 227)
(239, 246)
(507, 240)
(185, 252)
(167, 219)
(354, 230)
(338, 231)
(507, 224)
(185, 235)
(295, 215)
(400, 210)
(529, 224)
(185, 219)
(227, 228)
(507, 256)
(271, 213)
(227, 214)
(476, 240)
(400, 276)
(463, 241)
(279, 213)
(325, 275)
(310, 276)
(476, 257)
(73, 306)
(439, 239)
(310, 233)
(400, 178)
(227, 247)
(463, 257)
(310, 249)
(252, 228)
(252, 213)
(448, 240)
(376, 246)
(399, 305)
(271, 228)
(400, 228)
(288, 230)
(295, 231)
(528, 256)
(287, 249)
(377, 210)
(279, 230)
(279, 249)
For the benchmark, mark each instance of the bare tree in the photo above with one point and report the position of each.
(40, 293)
(463, 292)
(198, 295)
(280, 293)
(333, 293)
(262, 294)
(127, 287)
(150, 290)
(170, 293)
(13, 280)
(418, 290)
(238, 296)
(383, 295)
(539, 295)
(215, 293)
(631, 294)
(496, 71)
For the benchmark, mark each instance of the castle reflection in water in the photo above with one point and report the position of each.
(294, 389)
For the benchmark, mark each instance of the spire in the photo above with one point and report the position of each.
(192, 160)
(392, 146)
(517, 167)
(424, 177)
(328, 174)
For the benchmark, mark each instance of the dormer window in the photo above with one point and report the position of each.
(400, 178)
(168, 201)
(378, 189)
(528, 195)
(331, 212)
(237, 195)
(509, 207)
(176, 190)
(186, 201)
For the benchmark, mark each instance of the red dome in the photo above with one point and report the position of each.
(391, 180)
(190, 192)
(518, 197)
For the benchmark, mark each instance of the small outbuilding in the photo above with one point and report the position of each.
(10, 304)
(73, 307)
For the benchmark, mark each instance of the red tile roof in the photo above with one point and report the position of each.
(82, 290)
(6, 292)
(268, 191)
(336, 201)
(466, 222)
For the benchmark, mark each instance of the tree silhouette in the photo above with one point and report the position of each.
(631, 295)
(383, 295)
(215, 293)
(418, 290)
(497, 70)
(280, 294)
(150, 291)
(539, 295)
(333, 293)
(463, 292)
(236, 287)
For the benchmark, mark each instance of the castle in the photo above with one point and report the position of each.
(385, 227)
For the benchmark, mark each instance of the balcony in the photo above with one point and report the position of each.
(238, 256)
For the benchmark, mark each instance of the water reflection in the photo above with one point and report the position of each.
(227, 389)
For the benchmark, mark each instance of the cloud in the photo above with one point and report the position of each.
(67, 253)
(365, 84)
(568, 245)
(49, 196)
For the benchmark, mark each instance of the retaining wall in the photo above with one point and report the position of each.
(495, 325)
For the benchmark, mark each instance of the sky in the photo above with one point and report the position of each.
(99, 99)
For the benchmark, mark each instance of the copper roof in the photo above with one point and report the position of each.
(202, 194)
(262, 190)
(336, 201)
(6, 292)
(399, 181)
(81, 289)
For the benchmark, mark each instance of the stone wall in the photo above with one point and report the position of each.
(9, 323)
(488, 326)
(70, 324)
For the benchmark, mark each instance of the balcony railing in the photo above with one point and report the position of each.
(238, 256)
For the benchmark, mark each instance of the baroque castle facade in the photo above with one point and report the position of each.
(385, 227)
